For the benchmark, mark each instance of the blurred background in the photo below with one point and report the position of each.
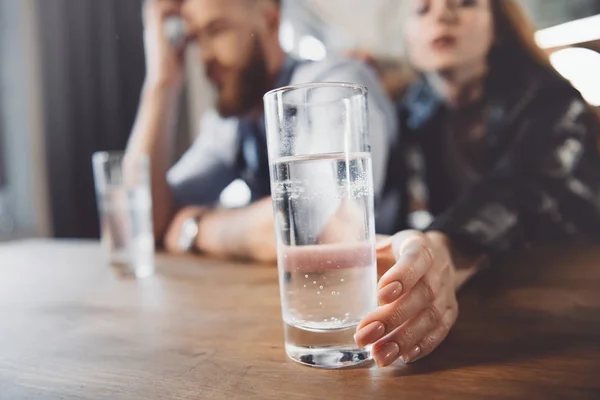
(71, 72)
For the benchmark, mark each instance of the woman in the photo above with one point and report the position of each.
(510, 155)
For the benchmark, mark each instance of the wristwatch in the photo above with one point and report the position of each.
(188, 233)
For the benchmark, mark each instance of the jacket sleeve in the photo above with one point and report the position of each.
(546, 185)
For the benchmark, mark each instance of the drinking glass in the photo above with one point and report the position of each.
(322, 190)
(125, 210)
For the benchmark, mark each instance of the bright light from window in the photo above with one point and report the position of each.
(574, 32)
(286, 36)
(581, 67)
(311, 48)
(237, 194)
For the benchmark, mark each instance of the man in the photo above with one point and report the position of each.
(239, 48)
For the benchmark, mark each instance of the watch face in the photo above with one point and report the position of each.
(188, 234)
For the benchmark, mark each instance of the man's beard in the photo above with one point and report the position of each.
(246, 87)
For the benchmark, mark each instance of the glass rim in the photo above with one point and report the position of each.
(290, 88)
(107, 155)
(103, 157)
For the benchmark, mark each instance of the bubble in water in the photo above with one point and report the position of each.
(338, 293)
(321, 287)
(325, 320)
(342, 280)
(306, 276)
(314, 282)
(304, 285)
(333, 293)
(347, 314)
(318, 292)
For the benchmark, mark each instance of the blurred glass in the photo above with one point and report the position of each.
(125, 210)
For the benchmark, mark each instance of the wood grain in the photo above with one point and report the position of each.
(206, 329)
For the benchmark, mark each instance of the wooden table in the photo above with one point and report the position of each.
(205, 329)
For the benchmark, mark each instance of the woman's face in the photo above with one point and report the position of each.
(447, 35)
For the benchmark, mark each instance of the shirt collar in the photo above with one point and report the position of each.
(421, 104)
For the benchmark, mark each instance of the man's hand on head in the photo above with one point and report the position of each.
(164, 63)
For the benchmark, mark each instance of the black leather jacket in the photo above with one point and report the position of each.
(542, 180)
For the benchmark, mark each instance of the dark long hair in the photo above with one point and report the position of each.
(515, 50)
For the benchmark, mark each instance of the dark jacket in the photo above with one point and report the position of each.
(542, 176)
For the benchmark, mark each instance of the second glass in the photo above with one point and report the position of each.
(322, 189)
(125, 211)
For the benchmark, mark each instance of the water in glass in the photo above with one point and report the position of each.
(324, 221)
(127, 232)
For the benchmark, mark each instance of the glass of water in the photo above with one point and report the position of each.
(322, 189)
(125, 209)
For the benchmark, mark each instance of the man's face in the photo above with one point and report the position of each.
(228, 35)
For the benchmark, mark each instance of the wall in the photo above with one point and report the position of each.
(26, 193)
(553, 12)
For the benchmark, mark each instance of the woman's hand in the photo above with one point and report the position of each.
(417, 299)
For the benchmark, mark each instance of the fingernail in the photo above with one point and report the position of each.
(387, 354)
(411, 355)
(390, 293)
(369, 334)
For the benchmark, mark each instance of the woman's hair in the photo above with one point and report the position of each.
(515, 49)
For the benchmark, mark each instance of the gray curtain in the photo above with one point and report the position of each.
(2, 161)
(93, 69)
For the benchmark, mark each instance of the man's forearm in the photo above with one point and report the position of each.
(152, 136)
(246, 233)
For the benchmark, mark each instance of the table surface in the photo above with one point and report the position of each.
(207, 329)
